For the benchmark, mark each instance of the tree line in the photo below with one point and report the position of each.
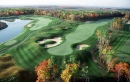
(80, 15)
(15, 12)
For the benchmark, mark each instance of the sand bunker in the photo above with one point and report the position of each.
(58, 40)
(128, 22)
(88, 21)
(29, 25)
(81, 46)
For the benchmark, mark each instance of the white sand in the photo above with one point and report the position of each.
(128, 22)
(81, 46)
(29, 25)
(58, 40)
(88, 21)
(43, 41)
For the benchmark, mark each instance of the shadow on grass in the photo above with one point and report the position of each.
(23, 76)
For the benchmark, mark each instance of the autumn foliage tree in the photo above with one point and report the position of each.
(121, 68)
(44, 72)
(69, 71)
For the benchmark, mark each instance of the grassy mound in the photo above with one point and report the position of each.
(8, 67)
(83, 32)
(11, 42)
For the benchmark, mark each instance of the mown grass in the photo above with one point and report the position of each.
(83, 32)
(42, 22)
(123, 52)
(121, 45)
(28, 53)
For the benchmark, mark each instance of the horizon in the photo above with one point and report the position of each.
(73, 3)
(6, 6)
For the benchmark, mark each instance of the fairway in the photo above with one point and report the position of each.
(82, 33)
(125, 47)
(124, 52)
(42, 21)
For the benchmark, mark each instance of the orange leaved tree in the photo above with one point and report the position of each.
(45, 71)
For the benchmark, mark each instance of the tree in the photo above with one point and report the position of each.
(111, 65)
(98, 34)
(46, 70)
(69, 71)
(84, 73)
(43, 71)
(72, 59)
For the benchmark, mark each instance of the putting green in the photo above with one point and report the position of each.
(42, 21)
(82, 33)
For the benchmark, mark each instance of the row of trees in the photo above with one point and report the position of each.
(15, 12)
(127, 16)
(81, 15)
(48, 70)
(107, 55)
(121, 70)
(120, 24)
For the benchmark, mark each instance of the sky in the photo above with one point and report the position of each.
(100, 3)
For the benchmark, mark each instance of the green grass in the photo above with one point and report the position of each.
(8, 43)
(83, 32)
(94, 70)
(28, 53)
(121, 46)
(125, 47)
(122, 56)
(42, 22)
(29, 56)
(124, 52)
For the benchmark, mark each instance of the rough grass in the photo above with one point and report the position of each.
(83, 32)
(8, 67)
(94, 70)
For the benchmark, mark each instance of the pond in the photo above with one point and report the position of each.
(14, 28)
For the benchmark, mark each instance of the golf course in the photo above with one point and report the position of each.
(27, 53)
(83, 32)
(87, 47)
